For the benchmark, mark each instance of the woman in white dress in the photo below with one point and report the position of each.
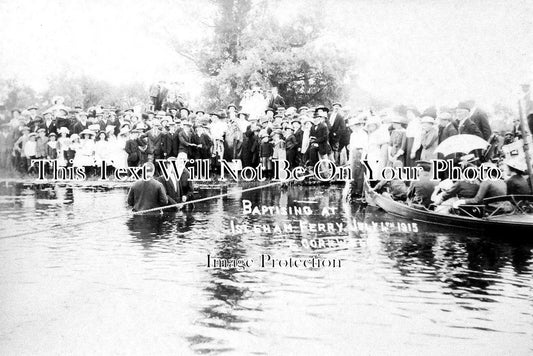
(119, 156)
(63, 145)
(85, 154)
(378, 141)
(258, 104)
(102, 149)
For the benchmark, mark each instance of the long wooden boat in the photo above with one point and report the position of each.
(520, 220)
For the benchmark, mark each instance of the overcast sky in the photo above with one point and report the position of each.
(417, 52)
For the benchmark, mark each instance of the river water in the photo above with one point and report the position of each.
(141, 285)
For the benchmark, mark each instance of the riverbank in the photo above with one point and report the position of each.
(95, 183)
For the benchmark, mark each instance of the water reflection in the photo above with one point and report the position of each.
(431, 285)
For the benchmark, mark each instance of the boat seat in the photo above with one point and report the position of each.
(512, 198)
(470, 210)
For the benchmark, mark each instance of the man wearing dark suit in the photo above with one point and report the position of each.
(155, 139)
(166, 141)
(465, 125)
(49, 124)
(147, 194)
(132, 149)
(420, 191)
(460, 189)
(446, 127)
(81, 124)
(337, 127)
(177, 190)
(185, 139)
(319, 134)
(481, 119)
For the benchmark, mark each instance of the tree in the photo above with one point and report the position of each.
(252, 47)
(16, 95)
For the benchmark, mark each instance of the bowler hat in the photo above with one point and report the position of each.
(321, 107)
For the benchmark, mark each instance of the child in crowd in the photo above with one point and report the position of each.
(265, 153)
(30, 150)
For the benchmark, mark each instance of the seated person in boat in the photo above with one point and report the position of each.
(515, 169)
(461, 189)
(395, 187)
(441, 206)
(487, 189)
(420, 191)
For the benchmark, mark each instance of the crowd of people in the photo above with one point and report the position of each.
(258, 131)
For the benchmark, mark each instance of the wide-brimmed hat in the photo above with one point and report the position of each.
(427, 120)
(444, 116)
(517, 163)
(356, 120)
(373, 120)
(397, 119)
(321, 107)
(87, 132)
(464, 105)
(296, 119)
(64, 130)
(276, 132)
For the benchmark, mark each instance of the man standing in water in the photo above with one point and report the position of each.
(178, 187)
(147, 194)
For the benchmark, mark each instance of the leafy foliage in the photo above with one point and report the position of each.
(252, 47)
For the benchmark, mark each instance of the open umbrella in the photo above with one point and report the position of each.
(461, 144)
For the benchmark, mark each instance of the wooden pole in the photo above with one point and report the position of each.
(526, 137)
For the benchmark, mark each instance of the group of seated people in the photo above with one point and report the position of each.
(446, 196)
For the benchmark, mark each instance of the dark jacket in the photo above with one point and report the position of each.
(249, 148)
(337, 129)
(469, 128)
(207, 144)
(155, 144)
(132, 149)
(481, 120)
(166, 144)
(446, 132)
(185, 142)
(79, 127)
(50, 128)
(320, 136)
(461, 189)
(184, 188)
(145, 195)
(421, 190)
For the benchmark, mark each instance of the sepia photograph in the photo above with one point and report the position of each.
(266, 177)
